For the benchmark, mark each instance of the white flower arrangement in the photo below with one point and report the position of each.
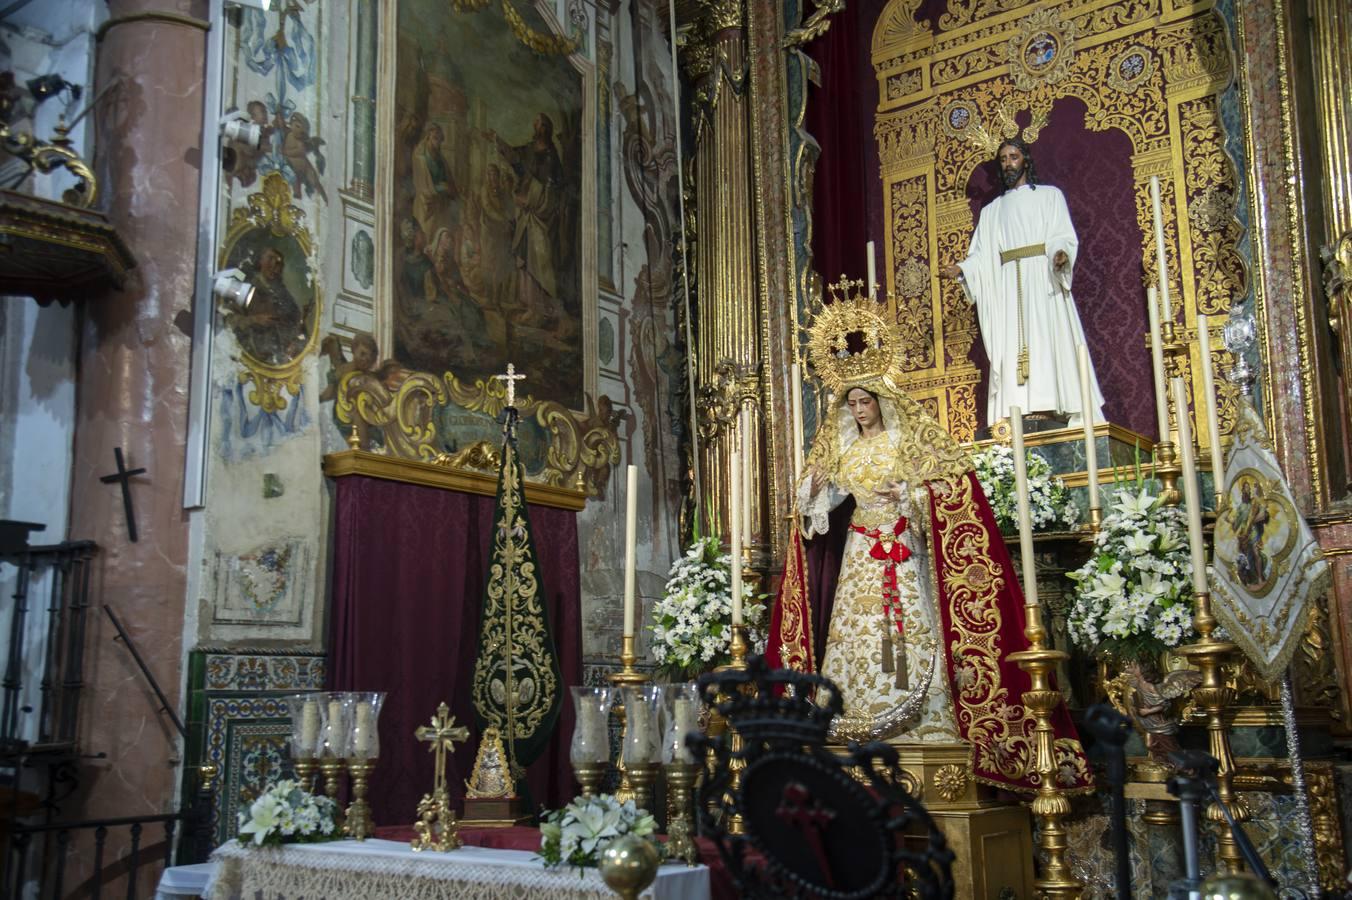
(692, 623)
(1133, 598)
(287, 814)
(579, 833)
(1049, 502)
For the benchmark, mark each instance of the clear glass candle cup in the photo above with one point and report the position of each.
(305, 724)
(591, 734)
(682, 713)
(364, 730)
(643, 724)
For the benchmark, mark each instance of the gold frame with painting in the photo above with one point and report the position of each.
(272, 224)
(416, 96)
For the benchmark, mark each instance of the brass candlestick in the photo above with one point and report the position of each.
(1167, 470)
(1214, 695)
(1050, 805)
(332, 767)
(305, 772)
(359, 826)
(736, 763)
(680, 825)
(642, 776)
(628, 676)
(589, 776)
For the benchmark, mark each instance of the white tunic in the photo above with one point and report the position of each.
(1025, 217)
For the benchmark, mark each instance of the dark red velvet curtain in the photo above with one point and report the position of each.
(408, 580)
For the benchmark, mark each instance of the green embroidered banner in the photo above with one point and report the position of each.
(516, 649)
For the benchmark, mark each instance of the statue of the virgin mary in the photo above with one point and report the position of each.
(926, 606)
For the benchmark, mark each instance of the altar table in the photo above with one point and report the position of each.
(387, 870)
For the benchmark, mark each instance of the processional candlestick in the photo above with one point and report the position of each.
(436, 827)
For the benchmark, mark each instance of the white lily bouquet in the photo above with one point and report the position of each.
(1133, 598)
(579, 833)
(692, 623)
(287, 814)
(1048, 497)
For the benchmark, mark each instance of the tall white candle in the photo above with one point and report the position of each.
(630, 546)
(735, 532)
(796, 404)
(309, 727)
(1025, 514)
(747, 481)
(872, 272)
(1191, 494)
(1165, 308)
(361, 734)
(686, 721)
(1087, 412)
(1157, 367)
(1213, 425)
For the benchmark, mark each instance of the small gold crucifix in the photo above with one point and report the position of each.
(441, 735)
(511, 378)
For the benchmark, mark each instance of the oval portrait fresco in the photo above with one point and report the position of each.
(277, 326)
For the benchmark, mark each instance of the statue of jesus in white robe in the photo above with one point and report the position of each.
(1018, 273)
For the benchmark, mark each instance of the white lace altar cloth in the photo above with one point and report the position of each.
(388, 870)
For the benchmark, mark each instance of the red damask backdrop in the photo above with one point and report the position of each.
(1092, 168)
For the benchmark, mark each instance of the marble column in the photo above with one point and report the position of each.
(134, 356)
(364, 101)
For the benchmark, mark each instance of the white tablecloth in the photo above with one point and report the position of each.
(375, 870)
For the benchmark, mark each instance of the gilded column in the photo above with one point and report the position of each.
(728, 357)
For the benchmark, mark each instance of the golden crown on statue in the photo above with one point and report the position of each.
(852, 340)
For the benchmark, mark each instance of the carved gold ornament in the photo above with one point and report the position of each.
(1131, 68)
(852, 339)
(1041, 50)
(951, 781)
(273, 220)
(582, 446)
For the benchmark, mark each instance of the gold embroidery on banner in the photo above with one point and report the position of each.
(514, 583)
(794, 630)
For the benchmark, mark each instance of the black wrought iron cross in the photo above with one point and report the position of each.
(124, 476)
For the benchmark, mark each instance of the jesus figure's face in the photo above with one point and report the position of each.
(1011, 165)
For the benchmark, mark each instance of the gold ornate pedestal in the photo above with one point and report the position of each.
(993, 840)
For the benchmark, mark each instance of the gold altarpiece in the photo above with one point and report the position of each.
(1152, 69)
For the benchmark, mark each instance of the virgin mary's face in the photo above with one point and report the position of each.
(863, 407)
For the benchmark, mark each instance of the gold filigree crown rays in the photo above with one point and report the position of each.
(852, 339)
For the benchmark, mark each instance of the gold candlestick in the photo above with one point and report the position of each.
(1214, 696)
(359, 825)
(680, 827)
(642, 776)
(305, 772)
(738, 648)
(331, 768)
(589, 776)
(628, 676)
(1167, 471)
(1050, 805)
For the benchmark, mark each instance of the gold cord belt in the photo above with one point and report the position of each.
(1014, 256)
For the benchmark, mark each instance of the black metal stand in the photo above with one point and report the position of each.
(1194, 782)
(1110, 730)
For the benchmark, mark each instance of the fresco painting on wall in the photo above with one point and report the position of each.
(275, 328)
(485, 231)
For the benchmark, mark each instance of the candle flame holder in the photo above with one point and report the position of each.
(1168, 470)
(680, 826)
(738, 647)
(628, 676)
(589, 776)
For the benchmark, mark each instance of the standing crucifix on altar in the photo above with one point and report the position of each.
(1017, 273)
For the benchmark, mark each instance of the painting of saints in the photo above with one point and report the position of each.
(486, 208)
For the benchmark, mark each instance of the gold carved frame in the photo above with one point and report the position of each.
(584, 443)
(1153, 72)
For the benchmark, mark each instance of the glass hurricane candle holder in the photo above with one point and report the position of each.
(335, 731)
(642, 739)
(305, 724)
(590, 748)
(682, 708)
(364, 731)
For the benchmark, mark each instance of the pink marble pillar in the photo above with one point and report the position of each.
(134, 359)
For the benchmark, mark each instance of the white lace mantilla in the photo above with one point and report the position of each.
(386, 870)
